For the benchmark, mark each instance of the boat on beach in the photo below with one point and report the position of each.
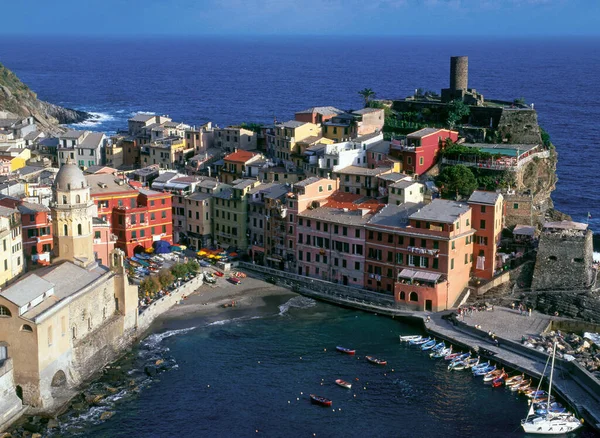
(376, 361)
(345, 350)
(321, 401)
(343, 384)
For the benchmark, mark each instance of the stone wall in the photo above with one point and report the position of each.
(10, 405)
(584, 306)
(519, 126)
(519, 210)
(563, 261)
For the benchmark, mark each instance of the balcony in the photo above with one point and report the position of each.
(419, 278)
(423, 251)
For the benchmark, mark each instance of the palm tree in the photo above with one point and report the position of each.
(367, 93)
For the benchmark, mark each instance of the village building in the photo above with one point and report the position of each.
(282, 140)
(419, 151)
(406, 190)
(199, 213)
(12, 262)
(237, 165)
(83, 147)
(235, 138)
(361, 180)
(167, 153)
(488, 221)
(420, 254)
(317, 114)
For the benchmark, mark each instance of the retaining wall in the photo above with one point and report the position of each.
(11, 406)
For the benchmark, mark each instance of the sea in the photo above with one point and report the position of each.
(250, 373)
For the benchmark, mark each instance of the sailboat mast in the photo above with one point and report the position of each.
(551, 375)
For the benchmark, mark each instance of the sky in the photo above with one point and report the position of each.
(113, 18)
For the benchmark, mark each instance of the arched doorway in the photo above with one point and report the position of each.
(59, 379)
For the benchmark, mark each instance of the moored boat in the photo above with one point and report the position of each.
(484, 371)
(428, 345)
(441, 353)
(453, 356)
(515, 380)
(376, 361)
(409, 338)
(457, 365)
(472, 362)
(345, 350)
(493, 375)
(499, 381)
(343, 383)
(520, 385)
(419, 341)
(321, 401)
(480, 366)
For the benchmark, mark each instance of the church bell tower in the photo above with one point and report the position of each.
(72, 211)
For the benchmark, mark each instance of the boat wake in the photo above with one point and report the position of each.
(297, 302)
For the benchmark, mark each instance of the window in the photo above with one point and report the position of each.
(413, 297)
(435, 264)
(357, 233)
(97, 235)
(421, 161)
(399, 258)
(482, 224)
(516, 206)
(357, 266)
(79, 230)
(466, 259)
(483, 208)
(65, 230)
(453, 244)
(5, 312)
(451, 263)
(344, 231)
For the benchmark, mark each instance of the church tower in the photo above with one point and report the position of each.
(72, 211)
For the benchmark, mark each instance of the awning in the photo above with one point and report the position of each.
(419, 275)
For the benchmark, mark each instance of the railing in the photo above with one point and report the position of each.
(513, 166)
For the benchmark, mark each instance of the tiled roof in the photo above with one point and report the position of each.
(239, 156)
(323, 110)
(423, 132)
(482, 197)
(441, 210)
(395, 215)
(338, 215)
(308, 181)
(357, 170)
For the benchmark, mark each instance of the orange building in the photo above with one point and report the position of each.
(235, 165)
(488, 221)
(420, 254)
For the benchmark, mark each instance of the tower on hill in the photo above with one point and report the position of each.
(459, 81)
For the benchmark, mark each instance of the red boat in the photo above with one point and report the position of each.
(345, 350)
(321, 401)
(500, 380)
(219, 274)
(234, 280)
(376, 361)
(344, 384)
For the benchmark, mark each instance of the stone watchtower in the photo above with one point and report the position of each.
(72, 211)
(459, 83)
(564, 258)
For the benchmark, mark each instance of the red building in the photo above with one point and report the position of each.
(138, 217)
(317, 114)
(36, 228)
(419, 151)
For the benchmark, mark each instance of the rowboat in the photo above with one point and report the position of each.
(499, 381)
(521, 387)
(345, 350)
(493, 375)
(419, 341)
(555, 408)
(452, 356)
(470, 363)
(376, 361)
(480, 366)
(410, 338)
(484, 371)
(515, 380)
(441, 353)
(439, 346)
(428, 345)
(343, 384)
(535, 394)
(457, 365)
(219, 274)
(321, 401)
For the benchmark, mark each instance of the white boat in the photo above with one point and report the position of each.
(441, 353)
(549, 423)
(409, 338)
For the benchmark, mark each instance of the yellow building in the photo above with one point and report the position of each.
(16, 161)
(11, 245)
(61, 324)
(167, 153)
(288, 134)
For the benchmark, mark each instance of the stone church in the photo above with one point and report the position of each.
(62, 323)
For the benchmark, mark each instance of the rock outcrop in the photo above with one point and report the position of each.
(18, 99)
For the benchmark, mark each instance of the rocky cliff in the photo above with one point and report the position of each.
(17, 98)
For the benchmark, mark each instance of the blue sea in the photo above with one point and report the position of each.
(259, 79)
(252, 371)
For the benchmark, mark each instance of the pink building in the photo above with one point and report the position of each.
(104, 240)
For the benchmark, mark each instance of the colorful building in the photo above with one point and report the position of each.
(236, 165)
(235, 138)
(361, 180)
(199, 213)
(12, 262)
(286, 135)
(488, 221)
(420, 254)
(419, 151)
(317, 114)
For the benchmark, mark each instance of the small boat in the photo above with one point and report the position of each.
(219, 274)
(535, 394)
(523, 386)
(499, 381)
(345, 350)
(376, 361)
(343, 384)
(480, 366)
(484, 371)
(419, 341)
(410, 338)
(470, 363)
(234, 280)
(452, 356)
(321, 401)
(441, 353)
(543, 409)
(515, 380)
(428, 345)
(457, 365)
(493, 375)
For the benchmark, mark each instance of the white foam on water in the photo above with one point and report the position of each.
(227, 321)
(155, 339)
(96, 120)
(297, 302)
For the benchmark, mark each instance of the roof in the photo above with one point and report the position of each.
(367, 111)
(240, 156)
(366, 137)
(323, 110)
(242, 183)
(483, 197)
(165, 177)
(270, 190)
(32, 208)
(141, 117)
(403, 184)
(26, 290)
(441, 210)
(423, 132)
(394, 176)
(105, 183)
(566, 225)
(419, 275)
(338, 215)
(524, 230)
(147, 192)
(69, 175)
(198, 196)
(7, 211)
(395, 215)
(382, 147)
(72, 134)
(291, 124)
(99, 169)
(308, 181)
(357, 170)
(311, 139)
(92, 141)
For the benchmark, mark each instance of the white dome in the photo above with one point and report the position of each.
(69, 177)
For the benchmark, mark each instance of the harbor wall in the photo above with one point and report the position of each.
(11, 406)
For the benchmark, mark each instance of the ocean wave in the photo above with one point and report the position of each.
(297, 302)
(96, 120)
(155, 339)
(227, 321)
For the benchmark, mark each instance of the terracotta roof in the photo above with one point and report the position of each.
(239, 156)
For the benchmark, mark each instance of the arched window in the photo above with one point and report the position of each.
(65, 230)
(59, 379)
(64, 199)
(5, 312)
(79, 232)
(3, 351)
(413, 296)
(26, 328)
(78, 199)
(403, 296)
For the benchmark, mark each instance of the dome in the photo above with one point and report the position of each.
(69, 177)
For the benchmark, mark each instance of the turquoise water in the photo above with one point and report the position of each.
(254, 372)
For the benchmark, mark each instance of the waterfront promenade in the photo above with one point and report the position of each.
(571, 382)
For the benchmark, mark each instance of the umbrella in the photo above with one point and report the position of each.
(202, 253)
(176, 248)
(233, 254)
(161, 247)
(183, 247)
(150, 250)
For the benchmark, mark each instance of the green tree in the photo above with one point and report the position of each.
(179, 270)
(367, 94)
(193, 266)
(150, 285)
(457, 109)
(456, 181)
(165, 278)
